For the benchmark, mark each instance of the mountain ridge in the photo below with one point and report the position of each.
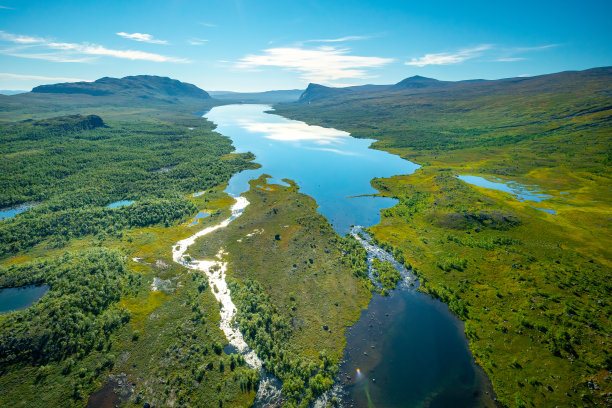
(144, 86)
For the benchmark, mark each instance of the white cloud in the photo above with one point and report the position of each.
(197, 41)
(6, 8)
(448, 58)
(323, 64)
(74, 52)
(342, 39)
(6, 75)
(510, 59)
(207, 24)
(148, 38)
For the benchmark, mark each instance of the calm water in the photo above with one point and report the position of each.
(519, 191)
(20, 298)
(410, 352)
(11, 212)
(120, 203)
(198, 217)
(410, 349)
(328, 164)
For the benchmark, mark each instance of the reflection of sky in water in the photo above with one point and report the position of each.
(520, 192)
(11, 212)
(327, 164)
(120, 203)
(197, 218)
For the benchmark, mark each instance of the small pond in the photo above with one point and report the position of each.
(519, 191)
(120, 203)
(11, 212)
(198, 217)
(12, 299)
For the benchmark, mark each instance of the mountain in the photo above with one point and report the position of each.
(290, 95)
(10, 92)
(417, 81)
(144, 86)
(315, 92)
(422, 86)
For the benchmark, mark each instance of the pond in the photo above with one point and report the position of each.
(409, 348)
(120, 203)
(519, 191)
(13, 211)
(12, 299)
(198, 217)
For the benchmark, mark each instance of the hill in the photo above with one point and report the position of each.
(111, 97)
(141, 85)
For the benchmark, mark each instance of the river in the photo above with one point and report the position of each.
(407, 350)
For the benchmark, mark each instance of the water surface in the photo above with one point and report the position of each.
(198, 217)
(411, 351)
(12, 299)
(519, 191)
(120, 203)
(328, 164)
(11, 212)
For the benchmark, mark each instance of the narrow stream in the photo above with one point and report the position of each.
(269, 390)
(406, 350)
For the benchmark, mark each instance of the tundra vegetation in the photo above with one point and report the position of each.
(533, 288)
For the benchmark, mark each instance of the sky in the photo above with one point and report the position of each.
(257, 45)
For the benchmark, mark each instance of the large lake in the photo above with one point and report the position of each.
(328, 164)
(410, 350)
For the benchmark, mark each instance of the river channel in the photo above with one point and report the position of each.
(407, 350)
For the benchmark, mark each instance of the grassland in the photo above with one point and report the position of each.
(533, 288)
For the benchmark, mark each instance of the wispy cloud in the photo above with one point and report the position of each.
(197, 41)
(74, 52)
(322, 64)
(510, 59)
(341, 39)
(207, 24)
(6, 8)
(448, 58)
(148, 38)
(6, 75)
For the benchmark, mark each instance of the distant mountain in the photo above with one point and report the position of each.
(315, 92)
(417, 81)
(10, 92)
(290, 95)
(421, 85)
(144, 86)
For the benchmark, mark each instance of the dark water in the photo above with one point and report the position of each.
(20, 298)
(411, 351)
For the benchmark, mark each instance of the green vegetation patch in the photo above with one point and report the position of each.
(293, 284)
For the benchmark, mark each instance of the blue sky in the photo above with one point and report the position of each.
(253, 45)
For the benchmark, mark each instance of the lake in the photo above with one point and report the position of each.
(409, 348)
(20, 298)
(328, 164)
